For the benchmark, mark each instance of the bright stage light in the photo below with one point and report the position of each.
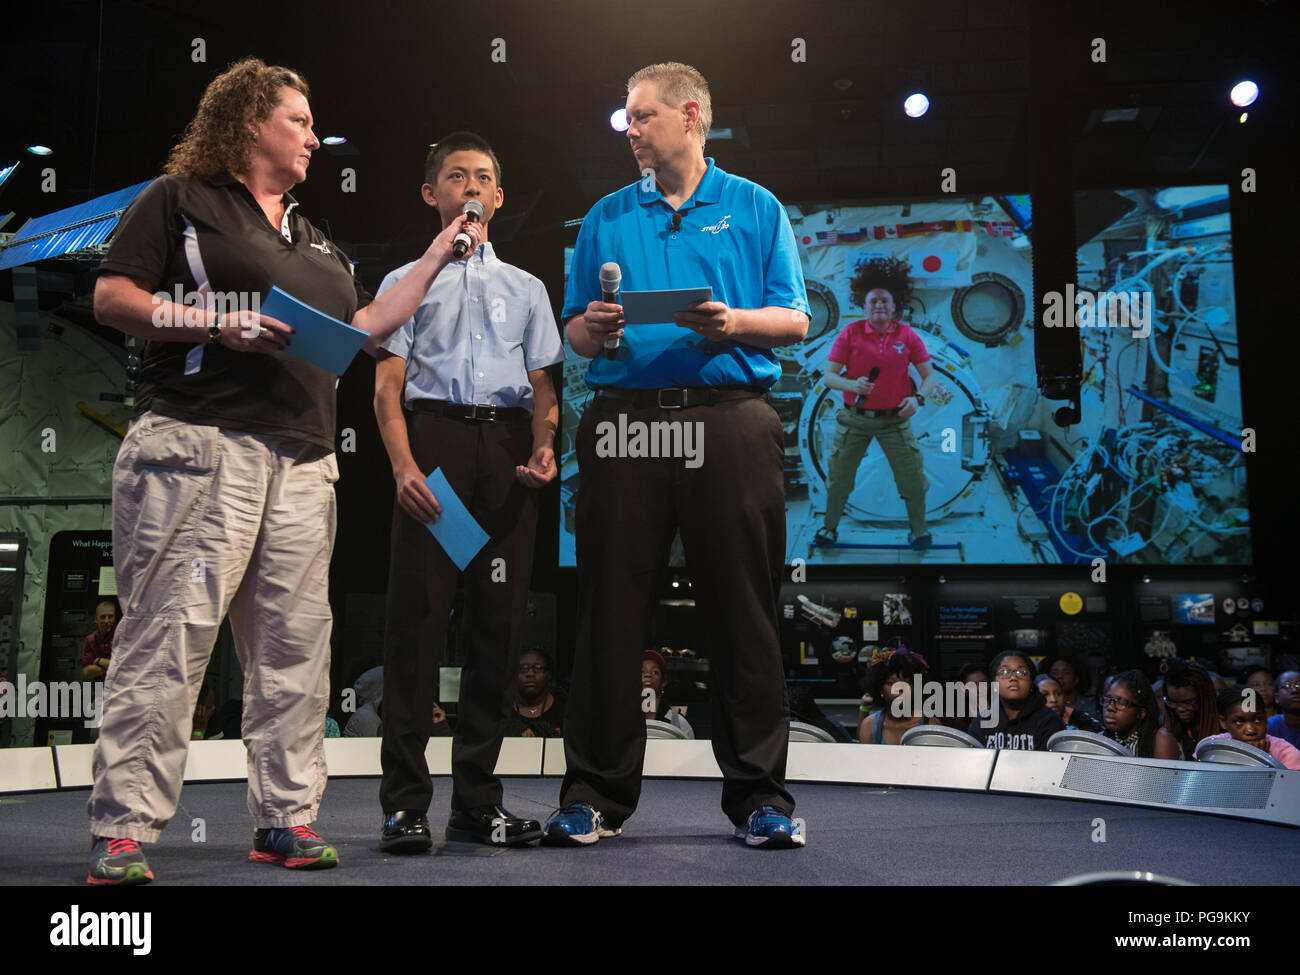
(916, 105)
(618, 120)
(334, 140)
(1244, 93)
(40, 150)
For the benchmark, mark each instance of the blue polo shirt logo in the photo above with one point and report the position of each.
(717, 228)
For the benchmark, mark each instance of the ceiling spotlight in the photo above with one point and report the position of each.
(1244, 93)
(916, 105)
(618, 120)
(334, 140)
(40, 150)
(1242, 116)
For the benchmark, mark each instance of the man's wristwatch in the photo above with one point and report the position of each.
(214, 331)
(920, 400)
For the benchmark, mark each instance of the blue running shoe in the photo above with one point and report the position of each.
(577, 824)
(770, 829)
(295, 847)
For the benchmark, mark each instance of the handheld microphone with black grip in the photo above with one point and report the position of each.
(611, 276)
(871, 378)
(460, 243)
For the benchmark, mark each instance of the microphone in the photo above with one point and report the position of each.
(871, 378)
(611, 276)
(460, 244)
(677, 220)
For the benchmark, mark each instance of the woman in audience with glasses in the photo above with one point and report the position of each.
(1191, 707)
(1128, 709)
(889, 681)
(1024, 721)
(1054, 694)
(1287, 724)
(1242, 718)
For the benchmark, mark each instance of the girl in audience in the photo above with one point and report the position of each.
(889, 682)
(1054, 694)
(1024, 721)
(1191, 707)
(1076, 685)
(1243, 720)
(1131, 718)
(1260, 681)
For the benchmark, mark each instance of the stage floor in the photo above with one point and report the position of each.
(856, 835)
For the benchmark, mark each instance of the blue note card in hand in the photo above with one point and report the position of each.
(320, 340)
(457, 532)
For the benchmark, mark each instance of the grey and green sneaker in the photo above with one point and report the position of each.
(115, 861)
(295, 847)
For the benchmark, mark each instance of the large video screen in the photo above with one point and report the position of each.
(1155, 473)
(991, 477)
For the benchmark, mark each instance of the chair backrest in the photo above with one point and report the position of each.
(939, 735)
(1226, 751)
(799, 731)
(654, 728)
(1078, 742)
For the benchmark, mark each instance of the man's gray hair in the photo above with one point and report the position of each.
(678, 84)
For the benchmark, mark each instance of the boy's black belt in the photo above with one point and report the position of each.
(678, 398)
(462, 412)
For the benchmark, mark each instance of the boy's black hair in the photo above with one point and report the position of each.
(969, 669)
(457, 142)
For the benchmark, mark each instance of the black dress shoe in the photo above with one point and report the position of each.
(492, 825)
(405, 832)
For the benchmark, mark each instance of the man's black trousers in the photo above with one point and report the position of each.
(730, 511)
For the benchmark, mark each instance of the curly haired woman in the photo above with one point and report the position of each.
(868, 363)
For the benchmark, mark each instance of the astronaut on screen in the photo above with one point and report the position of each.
(869, 364)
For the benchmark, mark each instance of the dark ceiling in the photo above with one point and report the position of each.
(110, 86)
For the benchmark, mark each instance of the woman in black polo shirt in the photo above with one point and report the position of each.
(223, 497)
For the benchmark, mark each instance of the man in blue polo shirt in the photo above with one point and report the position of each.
(686, 224)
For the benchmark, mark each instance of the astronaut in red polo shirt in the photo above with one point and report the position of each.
(879, 408)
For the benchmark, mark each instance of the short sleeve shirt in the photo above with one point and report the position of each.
(860, 348)
(733, 236)
(483, 324)
(199, 239)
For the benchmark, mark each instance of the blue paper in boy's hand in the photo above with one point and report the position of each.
(457, 532)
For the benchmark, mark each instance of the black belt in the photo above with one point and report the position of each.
(862, 411)
(462, 412)
(678, 398)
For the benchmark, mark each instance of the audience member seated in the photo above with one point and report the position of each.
(804, 708)
(973, 676)
(1128, 709)
(1260, 681)
(1191, 709)
(539, 709)
(889, 681)
(1054, 694)
(368, 719)
(1025, 722)
(441, 726)
(1287, 724)
(97, 649)
(654, 703)
(1244, 723)
(1076, 685)
(1218, 682)
(203, 728)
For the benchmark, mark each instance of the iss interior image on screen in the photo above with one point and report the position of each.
(1153, 472)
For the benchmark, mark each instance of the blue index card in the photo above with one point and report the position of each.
(457, 532)
(658, 307)
(320, 340)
